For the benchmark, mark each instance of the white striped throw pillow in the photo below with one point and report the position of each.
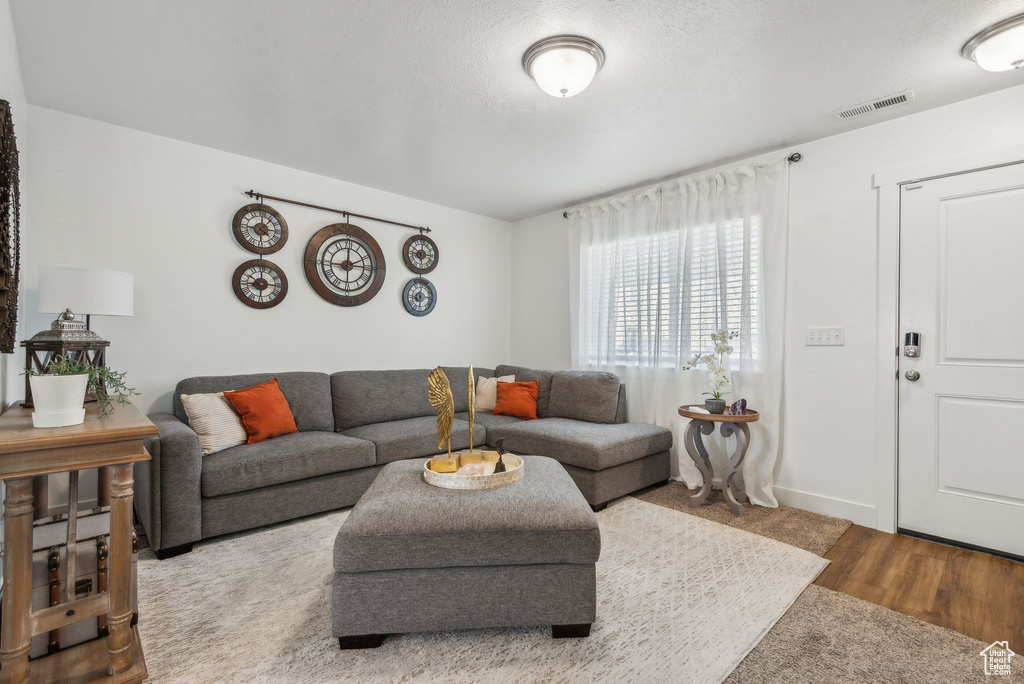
(215, 420)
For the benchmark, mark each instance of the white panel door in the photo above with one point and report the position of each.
(961, 422)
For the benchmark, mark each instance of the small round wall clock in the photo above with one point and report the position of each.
(260, 284)
(344, 264)
(419, 296)
(420, 254)
(259, 228)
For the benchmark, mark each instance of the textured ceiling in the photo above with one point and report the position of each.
(427, 99)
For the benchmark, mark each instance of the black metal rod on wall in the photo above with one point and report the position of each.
(346, 214)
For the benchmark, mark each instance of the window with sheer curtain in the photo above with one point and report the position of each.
(668, 296)
(653, 273)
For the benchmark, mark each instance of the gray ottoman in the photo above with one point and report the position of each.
(416, 558)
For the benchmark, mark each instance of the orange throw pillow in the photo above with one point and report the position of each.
(264, 411)
(517, 399)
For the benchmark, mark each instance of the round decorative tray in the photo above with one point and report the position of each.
(513, 473)
(749, 417)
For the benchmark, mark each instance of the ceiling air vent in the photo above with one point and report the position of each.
(874, 105)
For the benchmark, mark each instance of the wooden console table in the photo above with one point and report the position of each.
(25, 453)
(730, 425)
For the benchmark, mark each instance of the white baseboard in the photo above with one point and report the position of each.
(859, 513)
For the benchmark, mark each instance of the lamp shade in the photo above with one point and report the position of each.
(86, 291)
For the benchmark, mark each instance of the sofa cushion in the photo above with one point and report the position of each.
(592, 396)
(264, 411)
(593, 446)
(402, 522)
(543, 379)
(488, 420)
(377, 396)
(308, 394)
(413, 437)
(288, 458)
(517, 399)
(215, 420)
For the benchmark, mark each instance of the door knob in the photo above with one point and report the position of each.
(912, 375)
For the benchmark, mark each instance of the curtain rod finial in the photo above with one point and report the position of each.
(565, 214)
(794, 158)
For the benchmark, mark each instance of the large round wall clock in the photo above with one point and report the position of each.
(259, 283)
(420, 254)
(419, 296)
(344, 264)
(259, 228)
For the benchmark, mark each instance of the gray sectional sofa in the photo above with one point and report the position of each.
(352, 423)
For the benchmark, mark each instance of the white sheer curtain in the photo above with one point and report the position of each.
(653, 273)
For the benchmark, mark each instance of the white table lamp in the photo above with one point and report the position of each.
(86, 291)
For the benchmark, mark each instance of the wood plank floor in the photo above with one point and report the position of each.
(973, 593)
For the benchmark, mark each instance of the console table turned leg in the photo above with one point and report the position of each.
(119, 618)
(15, 636)
(699, 454)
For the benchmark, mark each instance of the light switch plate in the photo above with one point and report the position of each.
(826, 337)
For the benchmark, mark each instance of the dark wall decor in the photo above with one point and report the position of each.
(260, 284)
(420, 254)
(344, 264)
(259, 228)
(10, 230)
(419, 296)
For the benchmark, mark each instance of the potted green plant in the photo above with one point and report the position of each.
(59, 393)
(718, 374)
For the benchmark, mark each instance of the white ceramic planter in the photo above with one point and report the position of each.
(58, 399)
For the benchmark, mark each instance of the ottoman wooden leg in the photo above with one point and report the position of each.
(361, 641)
(599, 507)
(570, 631)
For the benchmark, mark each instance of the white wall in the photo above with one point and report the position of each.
(827, 462)
(108, 197)
(115, 198)
(12, 89)
(540, 292)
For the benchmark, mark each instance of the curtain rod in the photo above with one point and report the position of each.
(792, 159)
(346, 214)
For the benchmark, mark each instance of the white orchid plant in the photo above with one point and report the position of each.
(714, 359)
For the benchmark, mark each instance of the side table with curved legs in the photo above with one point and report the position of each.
(704, 423)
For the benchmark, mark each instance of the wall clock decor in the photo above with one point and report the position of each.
(419, 296)
(260, 284)
(259, 228)
(10, 226)
(420, 254)
(344, 264)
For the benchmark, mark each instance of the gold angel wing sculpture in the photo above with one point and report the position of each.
(439, 392)
(472, 409)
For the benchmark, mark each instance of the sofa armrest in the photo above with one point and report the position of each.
(167, 487)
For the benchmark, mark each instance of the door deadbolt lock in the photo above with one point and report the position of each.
(912, 375)
(912, 344)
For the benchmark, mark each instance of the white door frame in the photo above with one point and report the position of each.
(888, 183)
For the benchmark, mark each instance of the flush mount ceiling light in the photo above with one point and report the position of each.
(563, 66)
(1000, 47)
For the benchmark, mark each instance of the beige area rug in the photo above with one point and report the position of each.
(680, 599)
(805, 530)
(831, 637)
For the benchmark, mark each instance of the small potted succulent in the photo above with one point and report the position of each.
(59, 393)
(718, 375)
